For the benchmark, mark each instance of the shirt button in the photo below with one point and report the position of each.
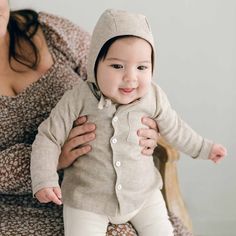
(115, 118)
(114, 140)
(119, 186)
(118, 163)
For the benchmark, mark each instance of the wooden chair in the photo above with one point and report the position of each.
(167, 158)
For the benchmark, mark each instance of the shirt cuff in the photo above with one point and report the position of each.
(205, 150)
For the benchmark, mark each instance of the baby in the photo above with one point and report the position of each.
(114, 182)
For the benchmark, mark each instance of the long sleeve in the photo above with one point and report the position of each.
(69, 39)
(15, 169)
(51, 136)
(178, 133)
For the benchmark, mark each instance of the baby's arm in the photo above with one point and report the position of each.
(52, 194)
(51, 136)
(179, 134)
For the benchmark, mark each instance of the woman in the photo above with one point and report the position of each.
(42, 56)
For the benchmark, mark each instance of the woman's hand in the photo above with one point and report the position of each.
(148, 136)
(76, 144)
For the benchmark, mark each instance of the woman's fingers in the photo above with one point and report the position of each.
(148, 140)
(148, 143)
(77, 141)
(148, 136)
(148, 146)
(80, 152)
(80, 120)
(81, 129)
(68, 155)
(76, 144)
(147, 151)
(150, 123)
(152, 132)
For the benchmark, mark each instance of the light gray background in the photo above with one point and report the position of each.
(196, 66)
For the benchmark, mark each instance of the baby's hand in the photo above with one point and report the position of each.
(218, 152)
(52, 194)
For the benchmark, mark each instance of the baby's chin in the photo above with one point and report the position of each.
(124, 101)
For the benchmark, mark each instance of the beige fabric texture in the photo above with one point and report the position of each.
(114, 177)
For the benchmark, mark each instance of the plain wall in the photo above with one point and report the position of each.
(196, 66)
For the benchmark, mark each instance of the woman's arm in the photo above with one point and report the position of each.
(70, 39)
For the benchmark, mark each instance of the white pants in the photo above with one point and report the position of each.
(151, 219)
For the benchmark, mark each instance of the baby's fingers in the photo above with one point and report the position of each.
(217, 159)
(57, 191)
(219, 150)
(52, 196)
(222, 151)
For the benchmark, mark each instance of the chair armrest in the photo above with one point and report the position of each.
(167, 159)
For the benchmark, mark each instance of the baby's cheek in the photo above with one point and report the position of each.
(144, 88)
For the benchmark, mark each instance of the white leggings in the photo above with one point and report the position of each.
(149, 220)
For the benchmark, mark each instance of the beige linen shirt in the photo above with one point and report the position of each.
(114, 177)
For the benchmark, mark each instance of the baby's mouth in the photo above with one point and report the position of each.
(127, 90)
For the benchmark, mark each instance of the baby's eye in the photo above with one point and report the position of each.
(142, 67)
(117, 66)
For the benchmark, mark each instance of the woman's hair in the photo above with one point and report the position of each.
(104, 50)
(22, 26)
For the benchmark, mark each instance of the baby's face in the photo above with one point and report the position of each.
(126, 72)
